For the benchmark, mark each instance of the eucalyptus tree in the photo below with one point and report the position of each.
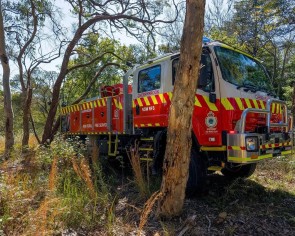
(31, 26)
(179, 140)
(8, 112)
(266, 29)
(218, 13)
(136, 18)
(85, 81)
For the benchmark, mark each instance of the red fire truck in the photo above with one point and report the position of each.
(237, 119)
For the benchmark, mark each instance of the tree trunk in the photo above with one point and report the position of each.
(34, 129)
(293, 103)
(48, 132)
(178, 148)
(8, 112)
(48, 129)
(26, 118)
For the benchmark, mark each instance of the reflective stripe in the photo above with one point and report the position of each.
(227, 105)
(205, 148)
(154, 99)
(255, 103)
(139, 102)
(249, 159)
(240, 104)
(247, 100)
(286, 152)
(170, 95)
(98, 103)
(146, 101)
(236, 148)
(211, 106)
(214, 168)
(116, 103)
(163, 100)
(197, 102)
(262, 104)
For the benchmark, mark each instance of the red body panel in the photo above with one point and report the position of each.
(74, 121)
(151, 110)
(100, 115)
(209, 119)
(86, 116)
(91, 117)
(117, 113)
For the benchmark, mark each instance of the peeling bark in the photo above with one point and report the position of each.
(177, 155)
(8, 112)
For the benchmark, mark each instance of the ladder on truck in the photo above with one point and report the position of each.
(113, 143)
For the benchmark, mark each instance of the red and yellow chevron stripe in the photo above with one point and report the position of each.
(69, 109)
(117, 104)
(228, 103)
(147, 125)
(152, 100)
(100, 102)
(265, 146)
(243, 103)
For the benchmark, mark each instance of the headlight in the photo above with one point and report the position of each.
(252, 144)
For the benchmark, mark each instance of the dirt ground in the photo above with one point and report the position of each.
(264, 204)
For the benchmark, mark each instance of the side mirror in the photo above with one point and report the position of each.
(203, 78)
(212, 97)
(202, 82)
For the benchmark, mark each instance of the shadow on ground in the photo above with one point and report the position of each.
(239, 207)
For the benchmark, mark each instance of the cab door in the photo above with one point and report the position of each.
(206, 114)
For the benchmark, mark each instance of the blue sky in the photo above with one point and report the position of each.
(67, 21)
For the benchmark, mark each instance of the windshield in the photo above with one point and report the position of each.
(241, 70)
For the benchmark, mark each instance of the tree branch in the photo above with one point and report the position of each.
(92, 61)
(93, 81)
(26, 45)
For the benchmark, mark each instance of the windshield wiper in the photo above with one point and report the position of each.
(269, 93)
(248, 87)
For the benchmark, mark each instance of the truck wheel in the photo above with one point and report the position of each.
(197, 173)
(234, 172)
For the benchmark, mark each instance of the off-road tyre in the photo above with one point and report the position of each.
(243, 171)
(197, 173)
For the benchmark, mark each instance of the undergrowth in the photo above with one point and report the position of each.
(55, 191)
(272, 182)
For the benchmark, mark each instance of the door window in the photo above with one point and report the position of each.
(149, 79)
(206, 76)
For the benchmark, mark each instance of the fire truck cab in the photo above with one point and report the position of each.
(237, 119)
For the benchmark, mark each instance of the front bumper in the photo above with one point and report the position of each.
(267, 146)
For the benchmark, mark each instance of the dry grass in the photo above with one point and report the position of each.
(277, 173)
(148, 206)
(40, 217)
(82, 169)
(33, 143)
(2, 144)
(19, 194)
(76, 199)
(47, 200)
(140, 181)
(53, 174)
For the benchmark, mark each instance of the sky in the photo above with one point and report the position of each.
(67, 21)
